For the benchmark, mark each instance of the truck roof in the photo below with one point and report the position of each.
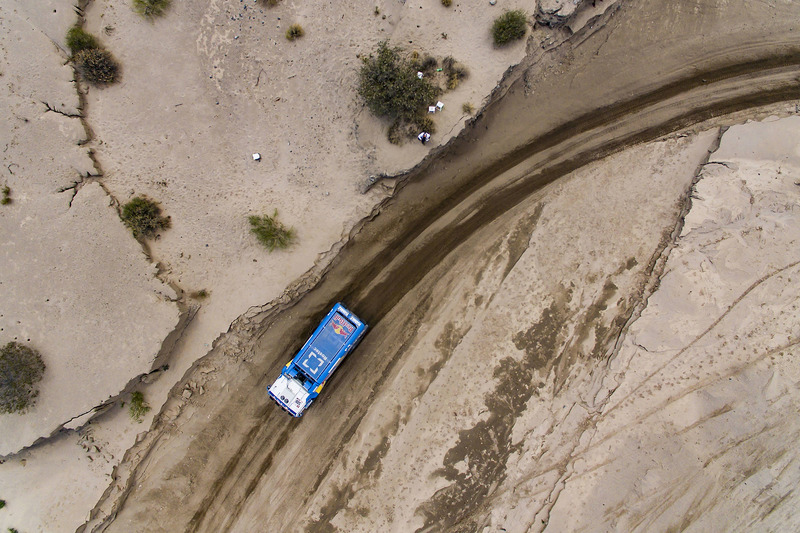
(328, 344)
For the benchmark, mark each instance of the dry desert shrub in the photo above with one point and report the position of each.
(21, 369)
(454, 71)
(295, 31)
(97, 66)
(94, 64)
(143, 216)
(202, 294)
(270, 232)
(150, 8)
(424, 123)
(509, 26)
(447, 3)
(428, 65)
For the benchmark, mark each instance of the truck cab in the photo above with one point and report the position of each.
(302, 378)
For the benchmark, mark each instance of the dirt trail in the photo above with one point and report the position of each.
(228, 459)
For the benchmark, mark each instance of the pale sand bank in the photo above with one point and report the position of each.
(702, 417)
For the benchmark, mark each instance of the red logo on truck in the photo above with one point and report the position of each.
(341, 326)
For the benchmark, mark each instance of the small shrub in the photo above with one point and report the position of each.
(377, 11)
(270, 232)
(454, 72)
(467, 108)
(202, 294)
(6, 195)
(138, 407)
(509, 26)
(396, 133)
(150, 8)
(295, 31)
(12, 530)
(2, 503)
(272, 3)
(424, 123)
(143, 216)
(21, 368)
(428, 64)
(97, 66)
(78, 39)
(447, 3)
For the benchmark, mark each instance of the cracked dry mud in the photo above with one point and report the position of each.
(553, 345)
(53, 296)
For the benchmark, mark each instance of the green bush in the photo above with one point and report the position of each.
(21, 368)
(150, 8)
(295, 31)
(509, 26)
(390, 87)
(78, 39)
(270, 232)
(143, 216)
(2, 503)
(6, 195)
(447, 3)
(97, 66)
(138, 407)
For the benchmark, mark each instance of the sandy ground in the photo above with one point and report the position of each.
(503, 327)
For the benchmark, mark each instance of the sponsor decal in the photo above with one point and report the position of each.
(342, 326)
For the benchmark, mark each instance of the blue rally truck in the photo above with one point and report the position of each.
(303, 377)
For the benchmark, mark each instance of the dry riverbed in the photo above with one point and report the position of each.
(544, 308)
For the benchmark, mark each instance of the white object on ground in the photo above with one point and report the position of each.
(440, 105)
(431, 109)
(420, 75)
(256, 157)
